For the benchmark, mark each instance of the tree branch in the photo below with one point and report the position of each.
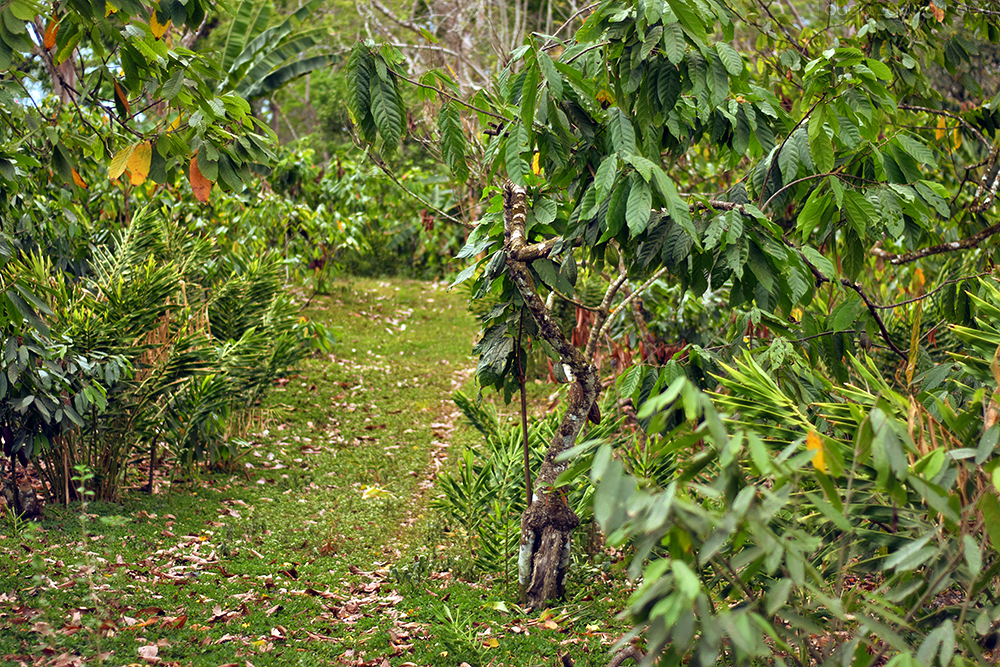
(872, 306)
(634, 295)
(968, 242)
(938, 112)
(388, 172)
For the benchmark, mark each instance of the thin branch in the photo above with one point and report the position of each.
(453, 98)
(388, 172)
(550, 41)
(933, 291)
(774, 160)
(788, 35)
(972, 130)
(635, 293)
(601, 320)
(872, 306)
(968, 242)
(573, 301)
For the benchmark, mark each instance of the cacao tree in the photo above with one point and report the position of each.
(809, 167)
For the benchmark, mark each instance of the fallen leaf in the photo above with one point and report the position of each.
(149, 653)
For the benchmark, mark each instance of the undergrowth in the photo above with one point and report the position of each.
(321, 547)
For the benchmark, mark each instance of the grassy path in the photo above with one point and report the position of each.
(319, 550)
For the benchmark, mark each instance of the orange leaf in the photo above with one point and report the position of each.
(138, 163)
(957, 137)
(814, 443)
(936, 11)
(123, 98)
(157, 27)
(77, 179)
(50, 34)
(200, 186)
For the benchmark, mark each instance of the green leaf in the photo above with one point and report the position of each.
(517, 167)
(676, 207)
(642, 166)
(916, 149)
(604, 179)
(788, 162)
(552, 77)
(821, 149)
(690, 20)
(668, 86)
(730, 58)
(622, 133)
(529, 95)
(859, 212)
(640, 201)
(673, 43)
(821, 263)
(852, 259)
(385, 111)
(453, 141)
(880, 69)
(550, 275)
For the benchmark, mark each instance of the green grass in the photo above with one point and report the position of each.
(320, 548)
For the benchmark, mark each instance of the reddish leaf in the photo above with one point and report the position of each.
(200, 186)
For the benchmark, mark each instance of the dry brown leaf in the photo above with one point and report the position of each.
(200, 186)
(149, 653)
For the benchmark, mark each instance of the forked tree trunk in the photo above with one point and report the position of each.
(547, 525)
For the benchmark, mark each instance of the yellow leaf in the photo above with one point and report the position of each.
(119, 162)
(535, 168)
(138, 163)
(956, 138)
(78, 179)
(157, 27)
(918, 282)
(491, 643)
(941, 130)
(174, 125)
(814, 443)
(109, 9)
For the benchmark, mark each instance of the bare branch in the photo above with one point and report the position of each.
(634, 295)
(872, 306)
(388, 172)
(968, 242)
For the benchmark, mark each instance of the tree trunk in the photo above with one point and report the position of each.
(547, 525)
